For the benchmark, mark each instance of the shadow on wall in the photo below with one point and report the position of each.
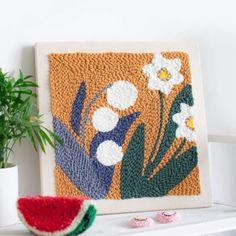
(28, 167)
(24, 155)
(27, 62)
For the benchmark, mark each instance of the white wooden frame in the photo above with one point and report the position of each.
(47, 161)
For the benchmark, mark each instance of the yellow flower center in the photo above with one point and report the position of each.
(190, 123)
(163, 74)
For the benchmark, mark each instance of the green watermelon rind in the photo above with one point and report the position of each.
(86, 222)
(79, 224)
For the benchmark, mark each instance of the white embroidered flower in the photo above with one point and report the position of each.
(122, 94)
(109, 153)
(184, 120)
(163, 73)
(104, 119)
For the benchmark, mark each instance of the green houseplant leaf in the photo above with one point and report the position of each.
(18, 117)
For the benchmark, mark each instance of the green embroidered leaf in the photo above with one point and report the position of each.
(134, 185)
(185, 96)
(132, 164)
(175, 171)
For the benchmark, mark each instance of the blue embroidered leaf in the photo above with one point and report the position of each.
(76, 165)
(77, 108)
(117, 134)
(185, 96)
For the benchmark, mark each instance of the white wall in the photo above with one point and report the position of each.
(211, 23)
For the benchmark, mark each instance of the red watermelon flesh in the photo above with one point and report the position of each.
(56, 215)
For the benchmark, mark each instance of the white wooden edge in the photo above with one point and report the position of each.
(114, 206)
(222, 138)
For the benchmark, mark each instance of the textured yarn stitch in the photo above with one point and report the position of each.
(154, 162)
(56, 216)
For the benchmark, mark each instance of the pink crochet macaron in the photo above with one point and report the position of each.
(167, 216)
(140, 221)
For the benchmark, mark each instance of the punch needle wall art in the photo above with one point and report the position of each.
(127, 121)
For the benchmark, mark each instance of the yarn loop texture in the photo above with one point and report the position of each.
(127, 123)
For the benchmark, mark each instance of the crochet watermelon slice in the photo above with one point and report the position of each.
(56, 215)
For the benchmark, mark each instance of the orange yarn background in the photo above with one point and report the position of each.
(67, 71)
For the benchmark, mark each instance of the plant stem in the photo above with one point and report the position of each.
(174, 156)
(85, 117)
(3, 153)
(160, 127)
(179, 149)
(9, 151)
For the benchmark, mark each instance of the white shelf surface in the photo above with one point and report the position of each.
(194, 222)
